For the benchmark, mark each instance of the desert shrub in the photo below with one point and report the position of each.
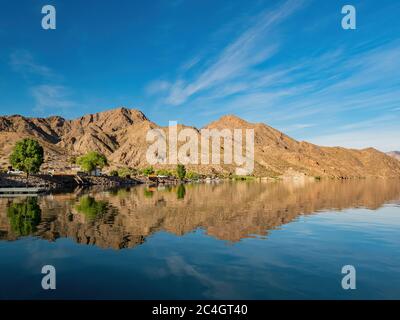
(148, 171)
(114, 173)
(164, 172)
(124, 172)
(193, 175)
(133, 171)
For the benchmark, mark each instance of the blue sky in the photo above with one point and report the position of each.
(286, 63)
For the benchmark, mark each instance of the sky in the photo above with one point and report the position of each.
(288, 64)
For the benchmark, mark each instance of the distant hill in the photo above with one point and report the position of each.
(394, 154)
(121, 135)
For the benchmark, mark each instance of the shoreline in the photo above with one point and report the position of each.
(58, 182)
(47, 183)
(55, 183)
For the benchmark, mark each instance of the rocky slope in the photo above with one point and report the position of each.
(121, 135)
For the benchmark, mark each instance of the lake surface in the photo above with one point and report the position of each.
(244, 240)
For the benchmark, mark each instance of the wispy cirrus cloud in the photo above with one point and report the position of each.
(315, 95)
(325, 91)
(23, 62)
(48, 94)
(235, 61)
(157, 87)
(52, 97)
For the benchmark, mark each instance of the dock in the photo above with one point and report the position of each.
(20, 191)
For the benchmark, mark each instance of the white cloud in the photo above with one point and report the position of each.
(191, 63)
(52, 97)
(157, 86)
(236, 61)
(332, 87)
(47, 96)
(22, 61)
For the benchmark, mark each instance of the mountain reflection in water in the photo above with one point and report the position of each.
(228, 211)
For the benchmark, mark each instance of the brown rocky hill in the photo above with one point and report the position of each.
(121, 135)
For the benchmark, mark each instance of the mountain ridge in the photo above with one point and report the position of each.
(394, 154)
(121, 135)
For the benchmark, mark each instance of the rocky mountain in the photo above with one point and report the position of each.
(394, 154)
(121, 135)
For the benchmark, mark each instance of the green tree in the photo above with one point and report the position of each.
(91, 208)
(24, 217)
(92, 160)
(27, 156)
(181, 171)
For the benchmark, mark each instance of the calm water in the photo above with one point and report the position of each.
(225, 241)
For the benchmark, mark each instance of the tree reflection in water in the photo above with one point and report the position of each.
(24, 216)
(226, 211)
(181, 191)
(91, 208)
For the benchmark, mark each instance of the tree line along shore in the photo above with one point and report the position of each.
(28, 157)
